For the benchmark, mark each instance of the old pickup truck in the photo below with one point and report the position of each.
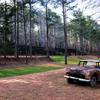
(86, 70)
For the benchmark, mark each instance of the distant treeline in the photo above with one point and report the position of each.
(39, 51)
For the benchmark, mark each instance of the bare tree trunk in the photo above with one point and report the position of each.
(91, 44)
(25, 31)
(30, 30)
(81, 37)
(4, 40)
(81, 44)
(47, 30)
(15, 24)
(76, 44)
(17, 34)
(65, 30)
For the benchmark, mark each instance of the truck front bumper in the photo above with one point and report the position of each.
(74, 78)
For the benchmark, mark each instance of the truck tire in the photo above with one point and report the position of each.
(93, 81)
(70, 80)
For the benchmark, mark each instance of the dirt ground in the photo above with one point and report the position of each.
(45, 86)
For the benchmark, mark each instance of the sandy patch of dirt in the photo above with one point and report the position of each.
(51, 64)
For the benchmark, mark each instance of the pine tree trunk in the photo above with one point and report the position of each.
(15, 24)
(30, 30)
(17, 34)
(47, 31)
(91, 49)
(25, 32)
(5, 31)
(65, 30)
(81, 44)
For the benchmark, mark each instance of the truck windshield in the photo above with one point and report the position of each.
(91, 63)
(87, 63)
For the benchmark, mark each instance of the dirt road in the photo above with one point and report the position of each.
(45, 86)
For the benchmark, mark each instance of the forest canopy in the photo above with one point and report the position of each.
(28, 26)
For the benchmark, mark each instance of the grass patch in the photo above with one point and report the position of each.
(72, 60)
(26, 70)
(38, 69)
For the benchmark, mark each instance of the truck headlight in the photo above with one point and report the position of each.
(66, 70)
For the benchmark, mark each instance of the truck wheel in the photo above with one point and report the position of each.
(69, 80)
(93, 81)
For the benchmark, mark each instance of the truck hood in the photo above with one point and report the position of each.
(78, 68)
